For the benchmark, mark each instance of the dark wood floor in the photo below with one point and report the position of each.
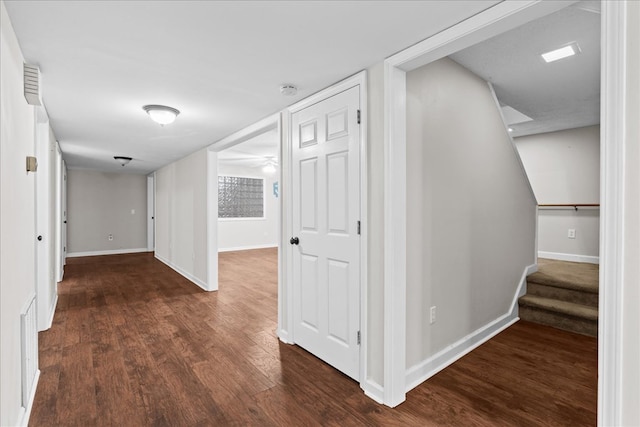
(135, 344)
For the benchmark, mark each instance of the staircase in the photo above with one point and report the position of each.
(563, 295)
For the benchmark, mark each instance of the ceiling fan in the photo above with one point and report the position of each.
(269, 164)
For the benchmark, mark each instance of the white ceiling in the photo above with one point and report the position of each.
(255, 152)
(560, 95)
(220, 63)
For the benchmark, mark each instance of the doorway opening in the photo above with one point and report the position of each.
(503, 17)
(244, 197)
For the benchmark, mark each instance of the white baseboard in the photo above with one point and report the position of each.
(421, 372)
(284, 336)
(183, 273)
(109, 252)
(569, 257)
(25, 413)
(52, 311)
(373, 390)
(248, 248)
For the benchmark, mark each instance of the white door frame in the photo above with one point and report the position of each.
(46, 236)
(151, 212)
(612, 339)
(494, 21)
(264, 125)
(285, 321)
(58, 204)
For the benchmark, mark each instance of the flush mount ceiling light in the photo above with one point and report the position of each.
(161, 114)
(122, 160)
(288, 89)
(563, 52)
(270, 166)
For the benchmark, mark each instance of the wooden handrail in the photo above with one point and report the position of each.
(570, 205)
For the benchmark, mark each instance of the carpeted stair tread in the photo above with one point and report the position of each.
(563, 294)
(567, 275)
(563, 307)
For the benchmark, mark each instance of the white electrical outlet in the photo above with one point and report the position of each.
(110, 236)
(432, 315)
(133, 211)
(571, 233)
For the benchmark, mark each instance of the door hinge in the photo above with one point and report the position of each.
(358, 337)
(358, 227)
(358, 114)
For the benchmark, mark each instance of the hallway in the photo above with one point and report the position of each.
(135, 344)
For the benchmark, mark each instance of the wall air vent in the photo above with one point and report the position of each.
(32, 84)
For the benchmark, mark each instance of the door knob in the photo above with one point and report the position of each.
(39, 238)
(294, 241)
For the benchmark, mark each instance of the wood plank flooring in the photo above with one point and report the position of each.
(135, 344)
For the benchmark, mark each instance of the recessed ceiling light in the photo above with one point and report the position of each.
(510, 129)
(563, 52)
(161, 114)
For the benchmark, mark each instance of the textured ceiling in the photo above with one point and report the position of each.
(219, 62)
(560, 95)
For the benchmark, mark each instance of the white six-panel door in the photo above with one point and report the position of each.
(326, 215)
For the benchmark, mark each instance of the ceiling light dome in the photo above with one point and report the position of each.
(123, 160)
(161, 114)
(269, 168)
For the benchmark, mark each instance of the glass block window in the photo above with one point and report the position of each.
(240, 197)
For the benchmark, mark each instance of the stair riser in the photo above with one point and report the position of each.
(570, 295)
(560, 321)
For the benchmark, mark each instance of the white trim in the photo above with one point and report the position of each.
(25, 413)
(498, 19)
(395, 234)
(286, 191)
(588, 259)
(183, 273)
(251, 131)
(260, 127)
(428, 368)
(151, 211)
(491, 22)
(212, 220)
(248, 248)
(612, 227)
(282, 334)
(364, 233)
(109, 252)
(52, 311)
(374, 391)
(359, 79)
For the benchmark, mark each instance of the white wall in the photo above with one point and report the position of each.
(181, 217)
(239, 234)
(17, 220)
(564, 167)
(375, 229)
(100, 204)
(470, 213)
